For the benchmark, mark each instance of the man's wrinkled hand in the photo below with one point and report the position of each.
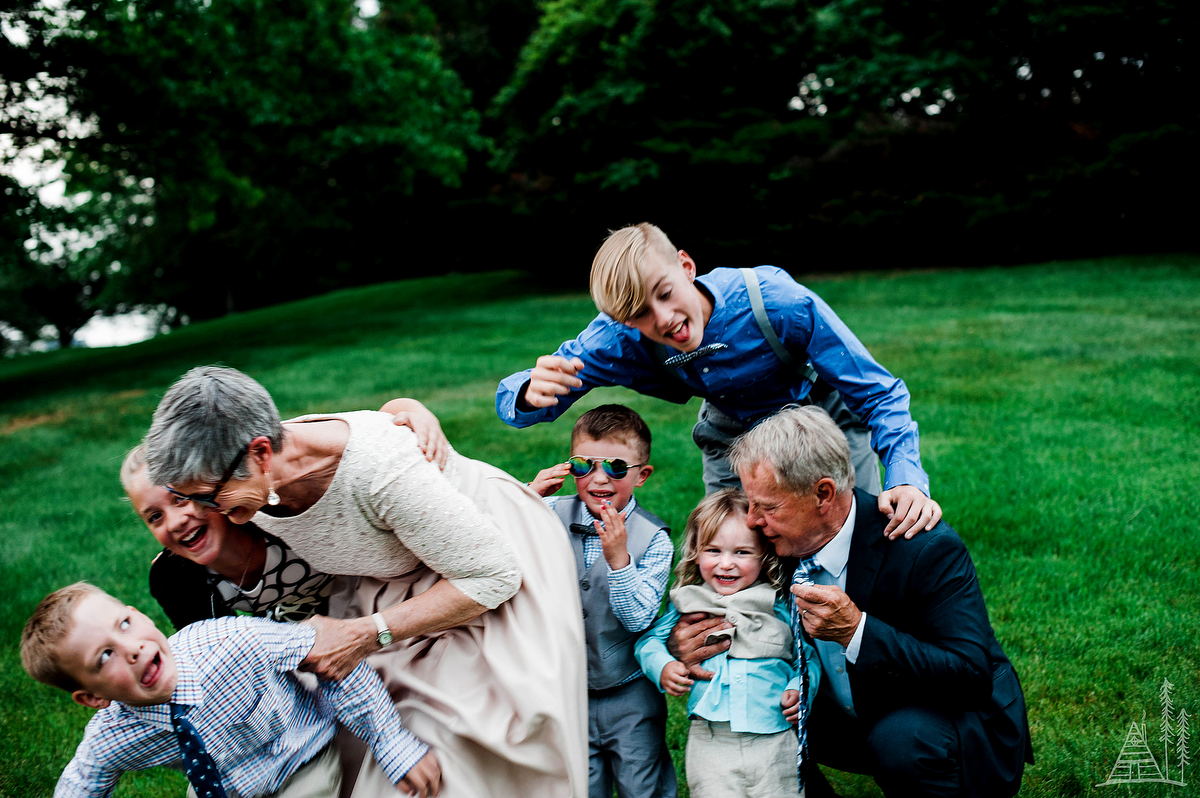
(686, 642)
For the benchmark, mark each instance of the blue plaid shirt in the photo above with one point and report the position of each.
(257, 721)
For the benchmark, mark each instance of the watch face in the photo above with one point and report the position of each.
(385, 638)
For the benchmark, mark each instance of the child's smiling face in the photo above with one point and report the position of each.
(732, 560)
(596, 487)
(117, 654)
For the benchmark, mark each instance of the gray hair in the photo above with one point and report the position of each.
(204, 420)
(801, 445)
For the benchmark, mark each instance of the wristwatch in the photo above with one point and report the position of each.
(385, 635)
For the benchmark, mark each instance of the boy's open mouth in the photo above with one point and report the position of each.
(150, 675)
(680, 333)
(193, 538)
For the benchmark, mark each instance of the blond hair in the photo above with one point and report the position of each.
(702, 526)
(135, 461)
(46, 630)
(618, 287)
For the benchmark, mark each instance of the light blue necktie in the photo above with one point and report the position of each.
(805, 570)
(197, 764)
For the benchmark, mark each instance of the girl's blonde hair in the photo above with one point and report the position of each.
(702, 526)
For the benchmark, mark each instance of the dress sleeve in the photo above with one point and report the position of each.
(444, 528)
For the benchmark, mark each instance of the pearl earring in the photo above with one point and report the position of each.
(272, 496)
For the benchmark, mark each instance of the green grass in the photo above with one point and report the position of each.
(1058, 409)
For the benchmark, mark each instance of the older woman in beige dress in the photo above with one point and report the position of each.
(466, 603)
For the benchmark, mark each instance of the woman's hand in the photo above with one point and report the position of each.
(340, 646)
(424, 779)
(549, 480)
(674, 678)
(417, 417)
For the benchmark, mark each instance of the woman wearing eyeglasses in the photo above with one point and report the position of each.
(466, 578)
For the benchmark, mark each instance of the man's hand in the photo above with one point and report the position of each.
(417, 417)
(612, 537)
(827, 612)
(424, 779)
(686, 642)
(674, 678)
(549, 480)
(790, 704)
(552, 377)
(910, 511)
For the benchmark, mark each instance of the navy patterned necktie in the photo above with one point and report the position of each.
(688, 357)
(806, 569)
(197, 764)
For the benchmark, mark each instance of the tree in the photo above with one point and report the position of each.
(862, 129)
(258, 148)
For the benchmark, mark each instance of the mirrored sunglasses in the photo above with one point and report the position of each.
(614, 467)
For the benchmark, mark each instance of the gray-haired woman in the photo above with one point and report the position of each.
(467, 579)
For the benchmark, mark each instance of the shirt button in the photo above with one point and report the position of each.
(841, 670)
(849, 708)
(706, 369)
(585, 585)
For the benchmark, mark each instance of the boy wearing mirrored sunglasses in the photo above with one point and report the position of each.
(623, 560)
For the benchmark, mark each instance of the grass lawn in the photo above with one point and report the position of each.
(1058, 407)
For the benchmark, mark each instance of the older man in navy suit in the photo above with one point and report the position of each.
(915, 689)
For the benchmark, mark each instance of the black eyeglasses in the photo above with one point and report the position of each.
(210, 499)
(615, 468)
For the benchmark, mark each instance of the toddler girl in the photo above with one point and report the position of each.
(739, 743)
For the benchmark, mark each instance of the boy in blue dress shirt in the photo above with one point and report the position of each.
(218, 699)
(623, 559)
(749, 342)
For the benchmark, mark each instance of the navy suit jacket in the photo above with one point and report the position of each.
(928, 642)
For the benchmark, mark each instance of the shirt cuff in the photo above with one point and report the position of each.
(904, 472)
(856, 641)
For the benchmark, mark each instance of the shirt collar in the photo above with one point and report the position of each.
(587, 518)
(836, 553)
(188, 689)
(716, 322)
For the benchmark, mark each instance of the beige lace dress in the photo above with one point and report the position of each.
(502, 699)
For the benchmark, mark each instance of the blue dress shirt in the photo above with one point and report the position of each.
(744, 692)
(257, 721)
(747, 380)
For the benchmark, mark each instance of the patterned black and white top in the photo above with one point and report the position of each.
(290, 590)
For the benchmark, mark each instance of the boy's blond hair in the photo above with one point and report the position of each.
(45, 631)
(702, 526)
(135, 461)
(618, 287)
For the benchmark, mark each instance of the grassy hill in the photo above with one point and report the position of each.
(1058, 408)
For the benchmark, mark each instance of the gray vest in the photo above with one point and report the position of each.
(609, 643)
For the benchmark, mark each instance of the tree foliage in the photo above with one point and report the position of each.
(233, 153)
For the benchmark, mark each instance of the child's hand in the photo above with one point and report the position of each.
(552, 377)
(417, 417)
(612, 537)
(424, 779)
(910, 511)
(549, 480)
(674, 678)
(790, 704)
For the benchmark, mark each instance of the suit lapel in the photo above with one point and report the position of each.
(866, 550)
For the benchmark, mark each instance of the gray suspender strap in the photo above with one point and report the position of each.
(764, 324)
